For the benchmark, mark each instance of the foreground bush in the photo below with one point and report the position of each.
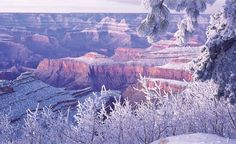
(161, 115)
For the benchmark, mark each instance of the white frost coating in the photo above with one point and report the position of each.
(157, 21)
(161, 115)
(108, 23)
(217, 57)
(197, 138)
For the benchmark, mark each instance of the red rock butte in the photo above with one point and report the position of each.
(40, 38)
(163, 61)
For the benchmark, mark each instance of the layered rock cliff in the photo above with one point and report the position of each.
(62, 35)
(71, 35)
(120, 70)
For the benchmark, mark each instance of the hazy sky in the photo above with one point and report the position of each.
(79, 6)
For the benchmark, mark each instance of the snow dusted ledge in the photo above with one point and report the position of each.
(197, 138)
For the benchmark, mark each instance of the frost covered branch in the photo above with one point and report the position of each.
(157, 20)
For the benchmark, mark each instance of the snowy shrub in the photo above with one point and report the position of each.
(87, 121)
(194, 110)
(46, 126)
(201, 111)
(119, 125)
(162, 114)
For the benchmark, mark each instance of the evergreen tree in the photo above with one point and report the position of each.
(217, 60)
(157, 20)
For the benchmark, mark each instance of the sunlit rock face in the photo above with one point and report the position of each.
(120, 70)
(72, 35)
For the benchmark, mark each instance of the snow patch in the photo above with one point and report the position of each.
(197, 138)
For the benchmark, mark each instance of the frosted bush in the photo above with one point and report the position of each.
(162, 114)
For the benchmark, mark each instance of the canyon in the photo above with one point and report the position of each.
(26, 39)
(163, 61)
(65, 53)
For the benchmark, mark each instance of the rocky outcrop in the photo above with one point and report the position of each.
(77, 74)
(126, 54)
(4, 75)
(41, 39)
(111, 24)
(107, 34)
(45, 46)
(118, 71)
(56, 36)
(97, 40)
(12, 53)
(13, 72)
(63, 35)
(26, 92)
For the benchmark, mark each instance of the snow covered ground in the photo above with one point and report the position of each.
(28, 92)
(198, 138)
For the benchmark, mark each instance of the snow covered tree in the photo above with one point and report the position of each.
(32, 130)
(90, 116)
(157, 20)
(56, 126)
(194, 110)
(119, 125)
(204, 113)
(160, 115)
(46, 126)
(87, 121)
(217, 59)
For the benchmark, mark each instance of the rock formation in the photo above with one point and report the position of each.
(70, 35)
(12, 53)
(120, 70)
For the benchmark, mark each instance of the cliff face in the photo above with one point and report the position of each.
(12, 53)
(71, 35)
(63, 35)
(118, 71)
(63, 72)
(102, 41)
(74, 74)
